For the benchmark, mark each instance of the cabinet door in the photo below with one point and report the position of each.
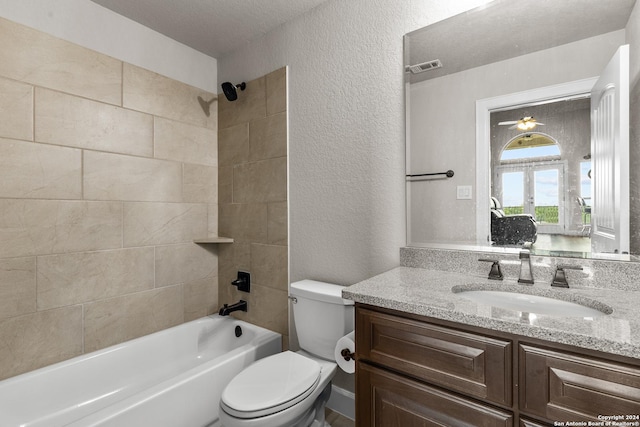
(384, 399)
(472, 364)
(567, 387)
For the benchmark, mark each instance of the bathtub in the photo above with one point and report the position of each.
(171, 378)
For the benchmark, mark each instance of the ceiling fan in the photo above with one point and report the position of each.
(524, 124)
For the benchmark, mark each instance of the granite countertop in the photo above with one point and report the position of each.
(429, 293)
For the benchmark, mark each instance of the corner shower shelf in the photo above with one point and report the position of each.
(215, 239)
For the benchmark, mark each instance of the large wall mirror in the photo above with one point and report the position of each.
(534, 105)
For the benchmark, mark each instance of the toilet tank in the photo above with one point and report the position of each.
(321, 316)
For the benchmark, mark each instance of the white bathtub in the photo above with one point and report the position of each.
(171, 378)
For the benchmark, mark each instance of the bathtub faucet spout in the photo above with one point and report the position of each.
(240, 305)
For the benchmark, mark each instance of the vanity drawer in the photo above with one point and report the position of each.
(564, 386)
(386, 399)
(472, 364)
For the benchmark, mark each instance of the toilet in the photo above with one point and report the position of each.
(291, 388)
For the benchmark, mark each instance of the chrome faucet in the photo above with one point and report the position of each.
(526, 274)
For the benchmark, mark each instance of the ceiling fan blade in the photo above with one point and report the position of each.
(514, 126)
(538, 123)
(512, 122)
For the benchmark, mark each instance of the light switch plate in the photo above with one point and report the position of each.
(464, 192)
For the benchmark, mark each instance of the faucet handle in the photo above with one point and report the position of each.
(243, 282)
(496, 272)
(560, 277)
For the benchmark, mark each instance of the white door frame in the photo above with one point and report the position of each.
(484, 108)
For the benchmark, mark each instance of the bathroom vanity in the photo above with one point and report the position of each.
(429, 356)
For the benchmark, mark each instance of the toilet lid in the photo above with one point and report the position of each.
(271, 385)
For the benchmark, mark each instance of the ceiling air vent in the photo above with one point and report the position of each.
(425, 66)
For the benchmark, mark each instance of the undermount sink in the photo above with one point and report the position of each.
(533, 303)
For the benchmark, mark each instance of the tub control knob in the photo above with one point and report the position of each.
(243, 282)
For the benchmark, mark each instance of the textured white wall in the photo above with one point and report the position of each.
(346, 129)
(95, 27)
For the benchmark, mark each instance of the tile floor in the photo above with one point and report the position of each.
(337, 420)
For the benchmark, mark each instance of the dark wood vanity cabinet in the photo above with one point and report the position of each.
(467, 363)
(395, 400)
(558, 385)
(416, 371)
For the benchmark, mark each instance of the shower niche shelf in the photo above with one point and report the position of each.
(215, 239)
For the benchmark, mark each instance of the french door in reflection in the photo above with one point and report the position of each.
(536, 189)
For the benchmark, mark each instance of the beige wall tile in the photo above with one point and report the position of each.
(269, 266)
(200, 184)
(17, 287)
(225, 184)
(152, 93)
(268, 137)
(252, 199)
(269, 308)
(183, 263)
(123, 318)
(259, 182)
(233, 145)
(81, 277)
(39, 339)
(16, 110)
(163, 223)
(38, 58)
(32, 227)
(201, 298)
(250, 105)
(212, 211)
(29, 170)
(277, 223)
(58, 251)
(231, 259)
(185, 143)
(277, 91)
(118, 177)
(243, 222)
(77, 122)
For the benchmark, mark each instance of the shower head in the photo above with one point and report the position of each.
(230, 90)
(206, 104)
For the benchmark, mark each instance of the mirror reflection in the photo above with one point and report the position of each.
(510, 107)
(541, 176)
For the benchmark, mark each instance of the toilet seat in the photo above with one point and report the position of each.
(270, 385)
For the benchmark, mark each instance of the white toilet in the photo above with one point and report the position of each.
(291, 388)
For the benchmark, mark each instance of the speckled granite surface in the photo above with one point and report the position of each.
(595, 274)
(429, 292)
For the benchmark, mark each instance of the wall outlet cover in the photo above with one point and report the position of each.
(464, 192)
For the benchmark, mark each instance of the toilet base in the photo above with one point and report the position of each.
(315, 417)
(318, 420)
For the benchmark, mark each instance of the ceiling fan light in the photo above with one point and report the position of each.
(526, 125)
